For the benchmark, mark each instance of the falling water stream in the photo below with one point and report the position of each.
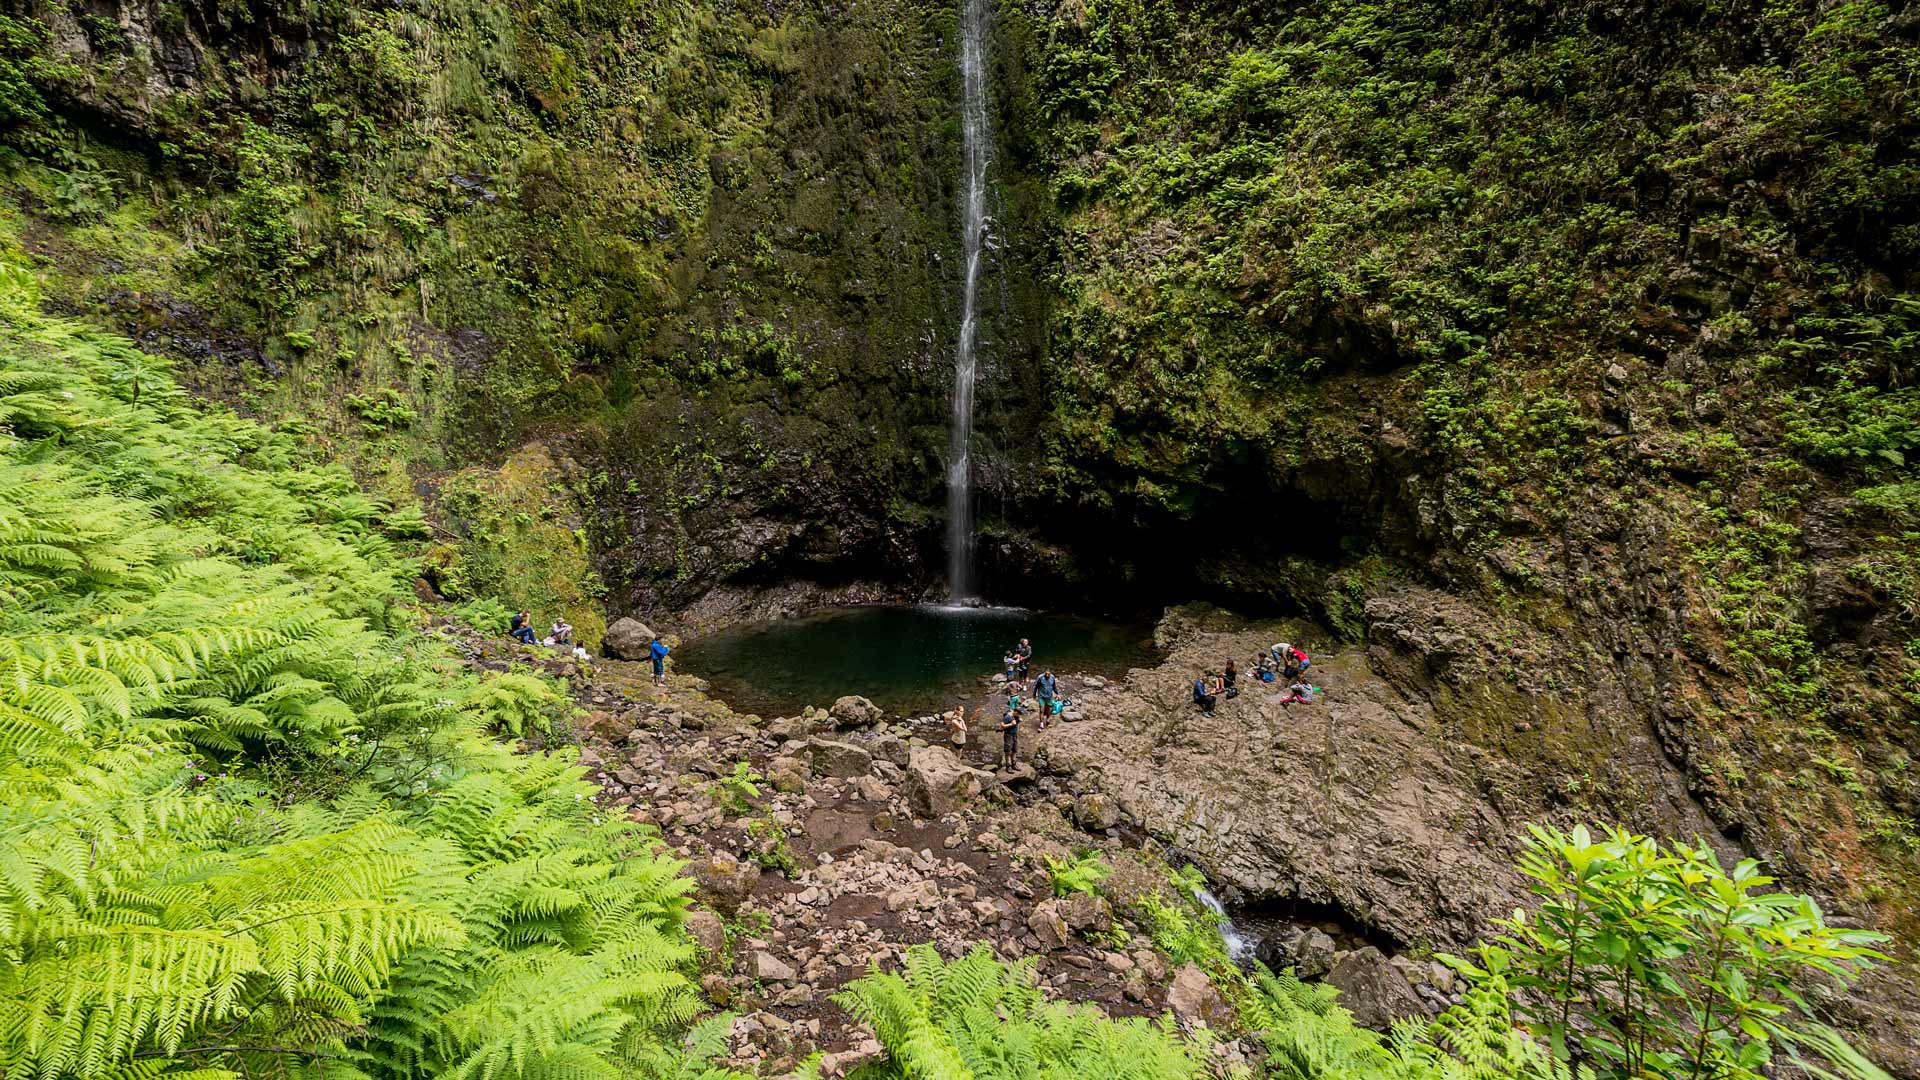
(1240, 949)
(977, 142)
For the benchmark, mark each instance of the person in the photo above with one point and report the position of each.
(1010, 732)
(1264, 666)
(1201, 697)
(562, 633)
(658, 651)
(1293, 661)
(1298, 692)
(520, 627)
(1227, 677)
(1023, 652)
(1046, 688)
(957, 726)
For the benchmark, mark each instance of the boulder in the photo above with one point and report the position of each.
(1095, 812)
(1086, 913)
(855, 711)
(627, 639)
(769, 968)
(892, 748)
(709, 933)
(1306, 949)
(722, 882)
(1046, 923)
(938, 783)
(789, 774)
(1373, 989)
(1193, 998)
(831, 757)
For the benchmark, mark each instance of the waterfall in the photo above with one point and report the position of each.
(977, 143)
(1239, 949)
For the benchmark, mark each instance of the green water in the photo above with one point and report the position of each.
(907, 660)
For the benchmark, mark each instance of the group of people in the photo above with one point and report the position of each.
(1046, 698)
(520, 629)
(1282, 663)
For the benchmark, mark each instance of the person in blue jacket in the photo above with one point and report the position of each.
(658, 651)
(1201, 697)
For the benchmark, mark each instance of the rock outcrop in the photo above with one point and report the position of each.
(628, 639)
(939, 784)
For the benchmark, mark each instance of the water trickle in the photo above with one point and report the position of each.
(1240, 949)
(977, 143)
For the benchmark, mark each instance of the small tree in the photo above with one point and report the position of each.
(1644, 960)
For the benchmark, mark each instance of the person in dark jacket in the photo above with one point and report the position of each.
(520, 627)
(1010, 733)
(1227, 677)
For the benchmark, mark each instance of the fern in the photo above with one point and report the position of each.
(978, 1018)
(249, 821)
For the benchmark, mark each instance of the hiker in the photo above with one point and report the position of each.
(1227, 678)
(957, 725)
(562, 633)
(1201, 697)
(1010, 732)
(658, 651)
(1010, 663)
(1046, 688)
(1265, 667)
(1023, 652)
(1299, 692)
(520, 627)
(1292, 661)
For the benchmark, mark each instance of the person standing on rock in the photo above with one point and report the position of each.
(1046, 688)
(1023, 653)
(1010, 732)
(658, 652)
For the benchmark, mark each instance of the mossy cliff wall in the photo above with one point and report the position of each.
(707, 253)
(1563, 353)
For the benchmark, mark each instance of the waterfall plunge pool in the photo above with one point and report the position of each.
(908, 659)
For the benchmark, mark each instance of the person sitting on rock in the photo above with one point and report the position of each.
(1023, 652)
(1202, 697)
(1299, 692)
(1265, 666)
(658, 652)
(1227, 677)
(520, 627)
(1045, 689)
(1010, 732)
(562, 633)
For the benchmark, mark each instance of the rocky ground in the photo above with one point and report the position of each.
(870, 834)
(1352, 836)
